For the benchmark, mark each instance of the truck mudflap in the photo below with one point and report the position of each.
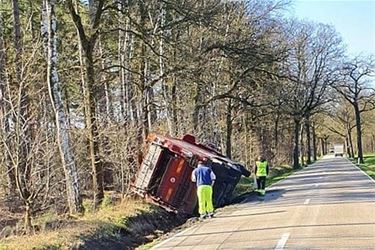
(164, 176)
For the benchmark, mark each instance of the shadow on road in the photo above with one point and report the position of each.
(283, 227)
(249, 215)
(330, 181)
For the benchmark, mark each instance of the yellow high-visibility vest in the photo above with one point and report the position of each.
(261, 168)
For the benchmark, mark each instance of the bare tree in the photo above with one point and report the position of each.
(309, 72)
(357, 90)
(4, 113)
(21, 119)
(49, 29)
(20, 147)
(88, 38)
(341, 121)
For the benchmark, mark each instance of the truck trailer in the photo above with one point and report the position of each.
(338, 150)
(164, 176)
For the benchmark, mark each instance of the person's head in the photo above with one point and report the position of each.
(203, 161)
(200, 162)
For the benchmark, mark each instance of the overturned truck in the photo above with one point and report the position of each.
(164, 175)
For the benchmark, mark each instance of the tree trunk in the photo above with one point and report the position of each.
(297, 125)
(125, 51)
(131, 90)
(351, 143)
(122, 52)
(145, 112)
(143, 75)
(104, 94)
(276, 132)
(308, 140)
(174, 95)
(62, 124)
(314, 142)
(229, 129)
(175, 128)
(302, 147)
(197, 108)
(93, 135)
(166, 98)
(198, 94)
(347, 147)
(17, 39)
(27, 219)
(359, 133)
(4, 114)
(326, 145)
(81, 63)
(247, 140)
(88, 46)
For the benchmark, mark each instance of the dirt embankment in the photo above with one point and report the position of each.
(135, 231)
(126, 232)
(118, 231)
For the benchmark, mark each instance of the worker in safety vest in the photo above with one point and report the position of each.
(261, 173)
(204, 177)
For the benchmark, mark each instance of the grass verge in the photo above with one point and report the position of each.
(123, 226)
(369, 166)
(70, 232)
(279, 173)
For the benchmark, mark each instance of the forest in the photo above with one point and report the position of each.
(82, 84)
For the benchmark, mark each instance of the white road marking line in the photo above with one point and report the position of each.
(307, 201)
(316, 185)
(281, 243)
(362, 171)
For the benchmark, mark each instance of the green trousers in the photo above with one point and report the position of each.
(204, 193)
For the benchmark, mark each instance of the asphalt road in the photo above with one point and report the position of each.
(329, 205)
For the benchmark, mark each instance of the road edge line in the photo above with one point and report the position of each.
(160, 244)
(361, 170)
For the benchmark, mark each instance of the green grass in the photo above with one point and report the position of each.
(277, 174)
(244, 185)
(278, 178)
(148, 245)
(369, 166)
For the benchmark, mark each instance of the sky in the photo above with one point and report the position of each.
(353, 19)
